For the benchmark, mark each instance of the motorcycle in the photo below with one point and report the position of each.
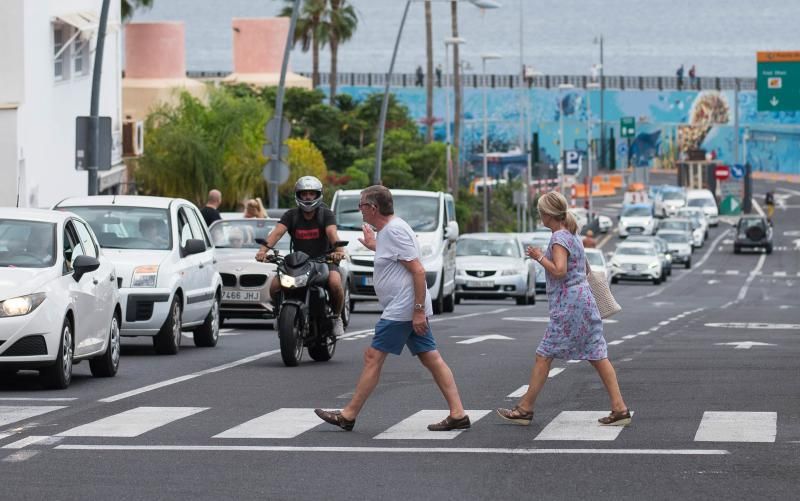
(305, 317)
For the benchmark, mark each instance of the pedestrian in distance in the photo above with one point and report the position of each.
(679, 74)
(254, 208)
(575, 330)
(399, 280)
(769, 201)
(439, 75)
(692, 76)
(211, 211)
(420, 77)
(588, 240)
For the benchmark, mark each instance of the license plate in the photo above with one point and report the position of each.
(366, 280)
(479, 284)
(241, 295)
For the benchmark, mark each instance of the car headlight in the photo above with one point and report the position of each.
(510, 272)
(289, 281)
(426, 251)
(614, 264)
(144, 276)
(655, 265)
(22, 305)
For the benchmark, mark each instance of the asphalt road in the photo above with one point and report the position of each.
(708, 362)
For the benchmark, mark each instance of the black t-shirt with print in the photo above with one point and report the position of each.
(308, 236)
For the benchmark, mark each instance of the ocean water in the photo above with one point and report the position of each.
(641, 37)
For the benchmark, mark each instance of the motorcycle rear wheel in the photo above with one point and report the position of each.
(323, 351)
(290, 328)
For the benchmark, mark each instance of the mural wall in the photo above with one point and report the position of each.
(666, 122)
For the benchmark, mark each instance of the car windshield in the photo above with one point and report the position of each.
(674, 225)
(27, 244)
(750, 222)
(636, 251)
(675, 238)
(481, 247)
(421, 213)
(119, 227)
(636, 212)
(537, 241)
(594, 258)
(242, 233)
(672, 195)
(701, 202)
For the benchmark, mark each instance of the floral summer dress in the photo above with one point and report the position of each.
(575, 331)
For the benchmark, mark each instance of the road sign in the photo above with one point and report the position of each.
(83, 128)
(284, 153)
(778, 81)
(744, 345)
(737, 171)
(573, 162)
(722, 172)
(730, 206)
(271, 129)
(276, 172)
(627, 126)
(622, 149)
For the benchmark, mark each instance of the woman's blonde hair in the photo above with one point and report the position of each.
(257, 206)
(554, 205)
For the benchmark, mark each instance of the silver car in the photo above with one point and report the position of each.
(541, 239)
(680, 245)
(493, 266)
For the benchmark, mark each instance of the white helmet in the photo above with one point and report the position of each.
(308, 183)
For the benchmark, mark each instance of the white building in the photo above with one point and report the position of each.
(45, 83)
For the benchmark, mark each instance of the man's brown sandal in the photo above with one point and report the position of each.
(516, 415)
(616, 419)
(450, 423)
(335, 418)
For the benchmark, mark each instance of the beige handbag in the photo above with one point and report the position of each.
(606, 303)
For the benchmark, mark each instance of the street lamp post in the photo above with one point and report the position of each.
(602, 116)
(452, 184)
(484, 58)
(562, 166)
(589, 86)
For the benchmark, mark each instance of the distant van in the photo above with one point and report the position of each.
(704, 199)
(432, 216)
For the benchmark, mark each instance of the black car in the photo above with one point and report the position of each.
(753, 232)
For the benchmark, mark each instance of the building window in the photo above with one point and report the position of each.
(60, 37)
(80, 56)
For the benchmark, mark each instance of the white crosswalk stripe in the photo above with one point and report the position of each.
(737, 427)
(282, 423)
(13, 413)
(579, 425)
(415, 427)
(132, 423)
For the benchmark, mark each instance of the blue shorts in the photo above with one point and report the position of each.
(392, 335)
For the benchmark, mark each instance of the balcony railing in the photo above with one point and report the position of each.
(516, 81)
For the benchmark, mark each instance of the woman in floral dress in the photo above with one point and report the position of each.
(575, 331)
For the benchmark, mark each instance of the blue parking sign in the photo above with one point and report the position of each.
(737, 171)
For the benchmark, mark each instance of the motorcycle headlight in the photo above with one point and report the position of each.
(426, 251)
(22, 305)
(289, 281)
(144, 276)
(510, 272)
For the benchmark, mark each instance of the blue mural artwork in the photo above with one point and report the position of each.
(770, 140)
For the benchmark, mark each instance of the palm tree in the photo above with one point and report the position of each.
(457, 86)
(339, 27)
(308, 30)
(127, 7)
(429, 73)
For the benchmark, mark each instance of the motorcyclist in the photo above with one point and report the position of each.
(769, 200)
(312, 227)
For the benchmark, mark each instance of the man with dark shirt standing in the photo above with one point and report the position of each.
(211, 211)
(313, 230)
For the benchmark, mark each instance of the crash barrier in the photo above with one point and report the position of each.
(599, 189)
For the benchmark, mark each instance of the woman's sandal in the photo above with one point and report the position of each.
(516, 415)
(616, 419)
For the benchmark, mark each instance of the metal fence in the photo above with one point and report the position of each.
(516, 81)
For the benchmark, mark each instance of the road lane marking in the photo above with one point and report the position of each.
(34, 399)
(20, 456)
(415, 427)
(731, 272)
(754, 325)
(579, 425)
(618, 341)
(468, 315)
(750, 277)
(32, 440)
(13, 413)
(779, 274)
(282, 423)
(132, 423)
(708, 272)
(395, 450)
(737, 427)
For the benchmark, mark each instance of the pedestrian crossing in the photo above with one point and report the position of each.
(290, 423)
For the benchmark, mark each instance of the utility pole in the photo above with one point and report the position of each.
(94, 108)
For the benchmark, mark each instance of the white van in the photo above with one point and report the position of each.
(704, 199)
(432, 216)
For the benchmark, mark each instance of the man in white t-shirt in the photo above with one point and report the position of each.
(399, 280)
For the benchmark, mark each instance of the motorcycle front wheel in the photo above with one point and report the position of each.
(290, 329)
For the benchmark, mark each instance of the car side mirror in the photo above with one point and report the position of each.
(83, 265)
(451, 231)
(194, 246)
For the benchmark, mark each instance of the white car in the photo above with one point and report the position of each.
(597, 261)
(669, 201)
(635, 261)
(690, 226)
(166, 266)
(636, 219)
(705, 200)
(697, 214)
(541, 239)
(494, 266)
(680, 246)
(59, 302)
(582, 217)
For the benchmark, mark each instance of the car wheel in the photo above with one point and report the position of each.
(737, 249)
(656, 280)
(522, 300)
(457, 300)
(688, 263)
(168, 339)
(59, 375)
(346, 306)
(449, 302)
(769, 249)
(438, 303)
(107, 364)
(207, 335)
(614, 280)
(664, 275)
